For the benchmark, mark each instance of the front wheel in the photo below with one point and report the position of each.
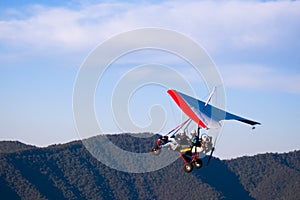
(188, 167)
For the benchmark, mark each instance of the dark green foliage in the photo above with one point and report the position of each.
(218, 175)
(69, 171)
(13, 146)
(271, 175)
(132, 143)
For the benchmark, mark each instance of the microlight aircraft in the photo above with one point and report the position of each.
(206, 117)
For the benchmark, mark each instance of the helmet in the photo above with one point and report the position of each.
(193, 131)
(181, 132)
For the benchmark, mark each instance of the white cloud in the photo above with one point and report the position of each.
(260, 78)
(218, 24)
(57, 27)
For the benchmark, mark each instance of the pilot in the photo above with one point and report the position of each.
(182, 138)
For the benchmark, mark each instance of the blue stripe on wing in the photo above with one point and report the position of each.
(212, 112)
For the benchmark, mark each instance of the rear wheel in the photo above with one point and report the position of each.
(188, 167)
(198, 163)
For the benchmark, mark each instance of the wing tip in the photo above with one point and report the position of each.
(253, 123)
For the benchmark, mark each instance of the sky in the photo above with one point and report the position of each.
(254, 44)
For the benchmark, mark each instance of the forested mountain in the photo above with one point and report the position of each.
(13, 146)
(68, 171)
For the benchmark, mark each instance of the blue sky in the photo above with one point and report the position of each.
(254, 44)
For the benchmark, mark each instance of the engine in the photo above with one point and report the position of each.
(206, 143)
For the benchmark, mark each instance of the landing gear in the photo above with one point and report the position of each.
(191, 162)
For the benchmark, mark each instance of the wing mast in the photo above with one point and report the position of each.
(210, 96)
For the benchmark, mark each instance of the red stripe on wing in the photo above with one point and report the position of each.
(185, 107)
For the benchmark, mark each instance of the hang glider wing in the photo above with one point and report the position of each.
(205, 115)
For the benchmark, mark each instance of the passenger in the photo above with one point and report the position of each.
(195, 143)
(194, 139)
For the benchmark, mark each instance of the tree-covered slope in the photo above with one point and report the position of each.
(276, 176)
(69, 171)
(13, 146)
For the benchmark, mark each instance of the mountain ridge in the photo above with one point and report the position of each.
(68, 171)
(10, 146)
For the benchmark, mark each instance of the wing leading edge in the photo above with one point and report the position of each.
(205, 115)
